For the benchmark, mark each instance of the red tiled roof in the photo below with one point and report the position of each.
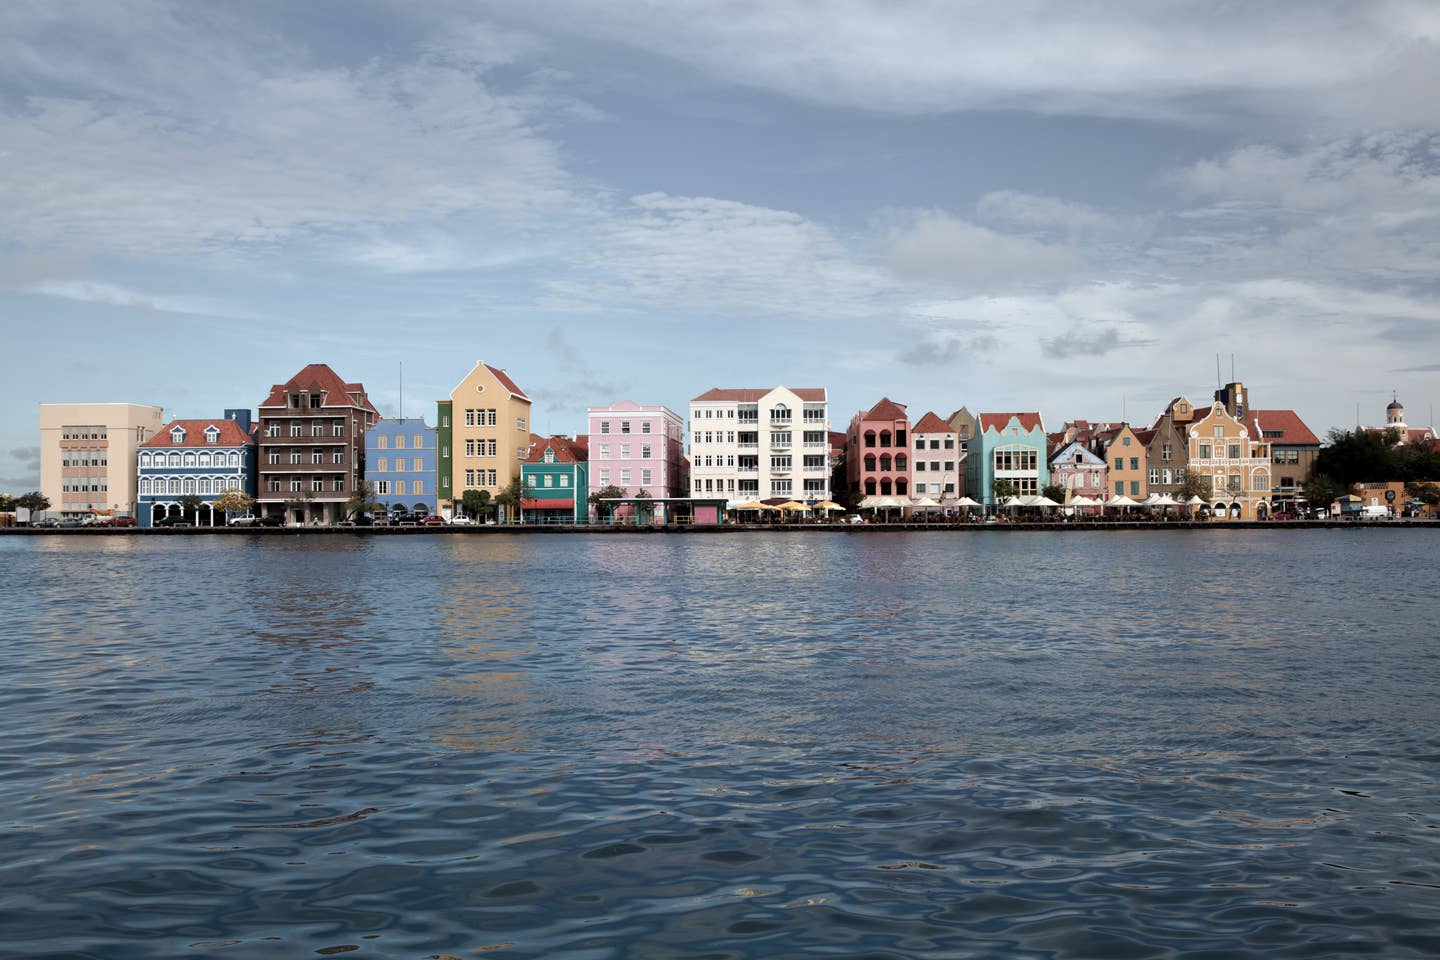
(931, 424)
(811, 394)
(1291, 427)
(505, 381)
(998, 421)
(566, 450)
(230, 434)
(319, 378)
(1145, 436)
(886, 409)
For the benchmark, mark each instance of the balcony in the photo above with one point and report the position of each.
(748, 446)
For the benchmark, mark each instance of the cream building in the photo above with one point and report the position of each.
(1237, 463)
(88, 455)
(484, 435)
(760, 444)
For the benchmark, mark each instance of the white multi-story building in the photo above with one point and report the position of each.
(759, 444)
(936, 466)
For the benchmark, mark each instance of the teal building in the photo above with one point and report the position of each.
(1007, 446)
(557, 482)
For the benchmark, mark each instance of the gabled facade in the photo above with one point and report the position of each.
(877, 451)
(1081, 472)
(936, 470)
(400, 464)
(963, 422)
(203, 458)
(1167, 447)
(483, 435)
(1237, 463)
(1126, 461)
(638, 447)
(556, 475)
(1007, 446)
(312, 446)
(748, 444)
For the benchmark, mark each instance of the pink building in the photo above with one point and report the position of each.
(638, 447)
(877, 450)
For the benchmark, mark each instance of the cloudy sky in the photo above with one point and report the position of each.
(1068, 206)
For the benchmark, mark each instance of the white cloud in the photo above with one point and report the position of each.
(931, 247)
(1183, 60)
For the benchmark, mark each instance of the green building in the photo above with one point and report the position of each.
(557, 482)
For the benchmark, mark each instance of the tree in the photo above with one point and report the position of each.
(841, 491)
(516, 492)
(1054, 491)
(1321, 491)
(190, 505)
(35, 502)
(598, 498)
(476, 504)
(1357, 456)
(1004, 489)
(1194, 485)
(362, 500)
(233, 500)
(7, 503)
(1426, 493)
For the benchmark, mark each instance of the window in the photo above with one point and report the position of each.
(624, 478)
(294, 457)
(318, 484)
(780, 463)
(317, 456)
(1119, 488)
(564, 479)
(1134, 463)
(644, 426)
(605, 477)
(1165, 451)
(338, 457)
(624, 451)
(295, 429)
(1204, 451)
(1135, 488)
(317, 429)
(469, 478)
(400, 488)
(1220, 431)
(645, 478)
(624, 426)
(295, 485)
(381, 441)
(445, 420)
(1234, 451)
(604, 426)
(418, 442)
(1165, 475)
(339, 484)
(382, 488)
(337, 429)
(919, 466)
(273, 485)
(1232, 484)
(469, 418)
(382, 465)
(274, 456)
(520, 424)
(604, 451)
(1154, 475)
(645, 451)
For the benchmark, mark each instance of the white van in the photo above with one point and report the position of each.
(1375, 512)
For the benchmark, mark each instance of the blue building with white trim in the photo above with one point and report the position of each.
(200, 457)
(401, 465)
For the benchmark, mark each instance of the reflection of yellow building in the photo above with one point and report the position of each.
(484, 433)
(1237, 464)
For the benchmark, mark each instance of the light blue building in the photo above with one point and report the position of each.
(401, 465)
(1007, 446)
(203, 458)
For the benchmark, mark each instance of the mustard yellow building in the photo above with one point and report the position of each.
(1126, 466)
(1237, 463)
(483, 432)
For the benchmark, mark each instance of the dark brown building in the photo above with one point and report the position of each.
(312, 446)
(1167, 447)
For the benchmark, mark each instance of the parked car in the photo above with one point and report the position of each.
(460, 520)
(432, 521)
(117, 522)
(245, 520)
(404, 519)
(272, 521)
(175, 521)
(46, 522)
(70, 522)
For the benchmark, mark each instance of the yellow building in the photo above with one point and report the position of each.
(484, 434)
(1125, 462)
(1237, 464)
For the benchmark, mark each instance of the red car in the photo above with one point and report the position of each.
(116, 522)
(432, 521)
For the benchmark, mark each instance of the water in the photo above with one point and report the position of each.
(1157, 744)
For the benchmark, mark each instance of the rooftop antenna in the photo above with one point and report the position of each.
(1218, 384)
(402, 389)
(1232, 368)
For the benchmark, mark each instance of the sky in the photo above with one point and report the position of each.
(1074, 207)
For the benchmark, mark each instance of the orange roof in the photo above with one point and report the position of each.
(505, 381)
(931, 424)
(812, 394)
(998, 421)
(886, 409)
(1291, 428)
(319, 378)
(566, 450)
(230, 434)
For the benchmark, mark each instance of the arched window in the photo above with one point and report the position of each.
(189, 484)
(144, 485)
(900, 461)
(870, 487)
(884, 461)
(175, 485)
(189, 459)
(869, 438)
(884, 438)
(204, 485)
(870, 461)
(885, 488)
(234, 459)
(205, 458)
(902, 487)
(144, 459)
(174, 459)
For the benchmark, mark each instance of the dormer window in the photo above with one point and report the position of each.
(177, 436)
(212, 435)
(549, 456)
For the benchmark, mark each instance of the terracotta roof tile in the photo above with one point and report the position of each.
(886, 409)
(230, 434)
(1287, 422)
(318, 377)
(998, 421)
(809, 394)
(566, 450)
(931, 424)
(506, 382)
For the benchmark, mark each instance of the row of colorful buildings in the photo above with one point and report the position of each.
(315, 439)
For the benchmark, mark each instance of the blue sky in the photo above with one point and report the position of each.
(1070, 207)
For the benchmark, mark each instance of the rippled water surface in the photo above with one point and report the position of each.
(1200, 744)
